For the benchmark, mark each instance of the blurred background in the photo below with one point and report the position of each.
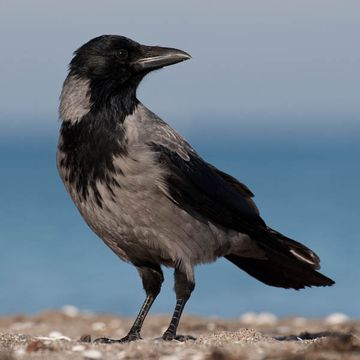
(271, 96)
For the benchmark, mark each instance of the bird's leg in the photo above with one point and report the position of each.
(152, 279)
(183, 290)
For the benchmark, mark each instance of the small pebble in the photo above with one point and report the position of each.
(96, 326)
(248, 318)
(86, 338)
(35, 346)
(92, 354)
(263, 318)
(20, 352)
(336, 319)
(56, 335)
(70, 310)
(266, 319)
(78, 348)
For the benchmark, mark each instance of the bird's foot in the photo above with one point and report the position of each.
(128, 338)
(168, 336)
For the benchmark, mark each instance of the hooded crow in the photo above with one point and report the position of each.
(148, 194)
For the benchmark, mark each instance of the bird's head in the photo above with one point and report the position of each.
(112, 57)
(108, 67)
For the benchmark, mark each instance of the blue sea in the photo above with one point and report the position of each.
(306, 187)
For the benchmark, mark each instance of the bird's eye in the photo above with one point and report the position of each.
(120, 54)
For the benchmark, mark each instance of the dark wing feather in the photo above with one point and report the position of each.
(240, 187)
(197, 186)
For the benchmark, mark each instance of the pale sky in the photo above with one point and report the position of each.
(256, 64)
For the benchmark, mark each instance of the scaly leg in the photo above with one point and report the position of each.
(152, 278)
(183, 290)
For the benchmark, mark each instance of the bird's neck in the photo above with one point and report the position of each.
(82, 99)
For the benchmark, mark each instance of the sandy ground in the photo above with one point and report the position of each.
(58, 334)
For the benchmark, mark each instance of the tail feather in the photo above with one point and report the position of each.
(277, 274)
(300, 251)
(288, 264)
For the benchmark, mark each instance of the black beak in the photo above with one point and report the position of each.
(155, 57)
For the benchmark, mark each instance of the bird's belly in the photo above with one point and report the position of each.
(147, 226)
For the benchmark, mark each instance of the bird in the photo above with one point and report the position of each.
(146, 192)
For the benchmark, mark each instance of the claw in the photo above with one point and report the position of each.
(127, 338)
(104, 340)
(169, 337)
